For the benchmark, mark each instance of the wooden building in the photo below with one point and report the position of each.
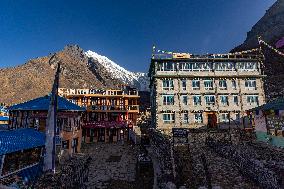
(110, 114)
(33, 114)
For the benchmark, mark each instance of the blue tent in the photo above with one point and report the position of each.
(20, 139)
(42, 103)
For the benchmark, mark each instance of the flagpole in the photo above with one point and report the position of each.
(51, 125)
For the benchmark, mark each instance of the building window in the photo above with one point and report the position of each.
(166, 66)
(234, 85)
(236, 100)
(198, 118)
(196, 100)
(184, 99)
(183, 84)
(224, 117)
(250, 84)
(209, 100)
(247, 66)
(168, 99)
(168, 117)
(195, 84)
(224, 66)
(185, 118)
(223, 84)
(224, 100)
(252, 100)
(168, 84)
(208, 84)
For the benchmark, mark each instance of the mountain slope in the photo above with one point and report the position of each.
(79, 70)
(34, 78)
(271, 28)
(137, 79)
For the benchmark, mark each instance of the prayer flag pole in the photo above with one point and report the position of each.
(51, 125)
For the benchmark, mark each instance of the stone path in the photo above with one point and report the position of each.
(110, 163)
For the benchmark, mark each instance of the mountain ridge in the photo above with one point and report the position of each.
(34, 78)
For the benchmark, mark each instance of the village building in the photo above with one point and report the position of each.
(4, 118)
(33, 114)
(110, 114)
(268, 121)
(194, 91)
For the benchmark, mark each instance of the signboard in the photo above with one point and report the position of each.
(180, 135)
(180, 132)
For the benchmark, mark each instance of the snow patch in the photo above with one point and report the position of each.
(139, 80)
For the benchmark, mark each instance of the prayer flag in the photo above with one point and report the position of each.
(280, 43)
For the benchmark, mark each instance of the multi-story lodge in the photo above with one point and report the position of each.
(203, 90)
(110, 114)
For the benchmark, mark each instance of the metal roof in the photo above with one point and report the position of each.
(42, 103)
(277, 104)
(20, 139)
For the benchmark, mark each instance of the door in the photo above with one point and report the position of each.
(101, 135)
(212, 120)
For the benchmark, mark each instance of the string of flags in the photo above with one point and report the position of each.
(269, 46)
(234, 53)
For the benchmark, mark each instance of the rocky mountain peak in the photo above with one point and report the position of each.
(271, 28)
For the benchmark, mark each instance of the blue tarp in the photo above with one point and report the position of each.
(4, 118)
(42, 103)
(20, 139)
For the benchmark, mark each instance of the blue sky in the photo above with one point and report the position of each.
(124, 30)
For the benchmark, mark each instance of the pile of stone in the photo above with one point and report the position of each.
(71, 174)
(244, 158)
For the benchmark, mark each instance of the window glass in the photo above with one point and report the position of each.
(185, 118)
(208, 84)
(195, 84)
(183, 84)
(197, 100)
(168, 84)
(169, 117)
(184, 99)
(198, 118)
(224, 100)
(209, 99)
(168, 99)
(223, 84)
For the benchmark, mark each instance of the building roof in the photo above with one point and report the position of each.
(42, 103)
(277, 104)
(4, 118)
(20, 139)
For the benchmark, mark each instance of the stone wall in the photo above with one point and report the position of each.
(248, 165)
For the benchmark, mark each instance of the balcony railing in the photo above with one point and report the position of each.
(114, 108)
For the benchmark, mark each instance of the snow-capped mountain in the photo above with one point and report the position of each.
(136, 79)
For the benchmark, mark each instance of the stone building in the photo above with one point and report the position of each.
(110, 114)
(204, 90)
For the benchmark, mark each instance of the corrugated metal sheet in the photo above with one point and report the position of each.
(42, 103)
(20, 139)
